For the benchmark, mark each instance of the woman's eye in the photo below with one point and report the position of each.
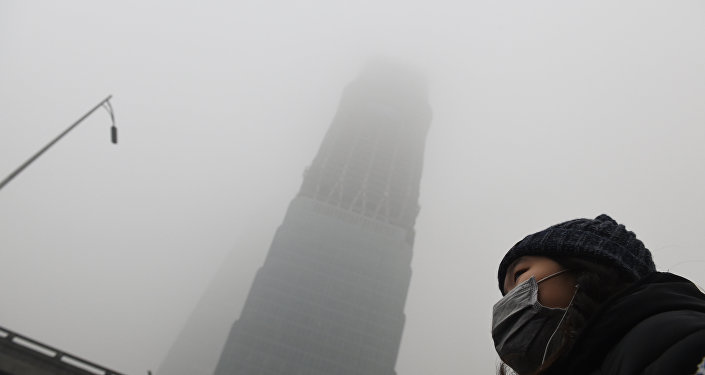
(518, 273)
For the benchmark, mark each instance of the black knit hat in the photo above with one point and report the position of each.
(601, 239)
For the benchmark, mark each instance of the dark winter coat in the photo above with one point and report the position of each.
(656, 326)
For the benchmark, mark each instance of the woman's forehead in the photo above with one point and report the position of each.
(519, 260)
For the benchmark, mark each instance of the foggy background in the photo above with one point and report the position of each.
(544, 111)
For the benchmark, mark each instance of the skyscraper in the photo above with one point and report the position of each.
(330, 296)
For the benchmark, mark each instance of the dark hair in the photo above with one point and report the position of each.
(596, 283)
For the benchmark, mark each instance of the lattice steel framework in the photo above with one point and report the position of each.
(370, 160)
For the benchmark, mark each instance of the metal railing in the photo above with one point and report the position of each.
(53, 355)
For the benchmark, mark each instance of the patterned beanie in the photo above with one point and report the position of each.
(601, 240)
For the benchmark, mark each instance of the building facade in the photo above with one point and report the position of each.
(330, 296)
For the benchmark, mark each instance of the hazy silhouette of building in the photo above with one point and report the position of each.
(330, 296)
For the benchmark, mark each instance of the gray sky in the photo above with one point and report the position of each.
(543, 111)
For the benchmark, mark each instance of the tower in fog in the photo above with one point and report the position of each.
(330, 296)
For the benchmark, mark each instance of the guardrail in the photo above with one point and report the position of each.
(53, 355)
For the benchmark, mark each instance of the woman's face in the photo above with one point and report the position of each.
(554, 292)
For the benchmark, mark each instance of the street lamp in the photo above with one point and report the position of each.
(105, 103)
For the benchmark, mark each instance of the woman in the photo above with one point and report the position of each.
(584, 297)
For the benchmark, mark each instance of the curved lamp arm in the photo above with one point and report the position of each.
(113, 132)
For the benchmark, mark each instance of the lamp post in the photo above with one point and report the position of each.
(113, 136)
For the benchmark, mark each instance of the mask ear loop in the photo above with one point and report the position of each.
(553, 275)
(559, 324)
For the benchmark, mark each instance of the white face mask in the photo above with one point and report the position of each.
(523, 329)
